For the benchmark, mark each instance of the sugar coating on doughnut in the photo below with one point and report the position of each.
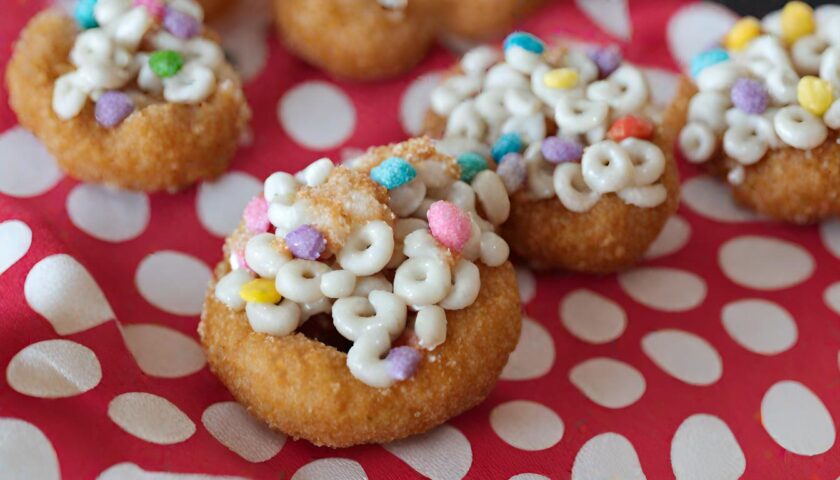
(415, 151)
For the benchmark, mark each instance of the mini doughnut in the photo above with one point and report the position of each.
(596, 210)
(374, 39)
(411, 355)
(785, 162)
(163, 134)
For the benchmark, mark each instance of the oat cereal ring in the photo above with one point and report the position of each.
(149, 106)
(319, 346)
(776, 145)
(374, 39)
(593, 190)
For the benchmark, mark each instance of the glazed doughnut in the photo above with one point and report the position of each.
(591, 179)
(317, 341)
(374, 39)
(152, 133)
(773, 136)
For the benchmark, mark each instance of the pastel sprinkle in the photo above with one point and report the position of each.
(561, 78)
(84, 14)
(306, 242)
(630, 126)
(155, 8)
(706, 59)
(166, 63)
(814, 94)
(512, 171)
(797, 21)
(180, 24)
(260, 290)
(449, 224)
(256, 215)
(559, 149)
(507, 143)
(112, 108)
(393, 172)
(749, 96)
(402, 362)
(607, 59)
(526, 41)
(471, 164)
(742, 33)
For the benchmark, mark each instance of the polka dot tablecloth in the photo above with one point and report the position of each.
(716, 358)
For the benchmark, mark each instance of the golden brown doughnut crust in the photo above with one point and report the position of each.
(788, 184)
(162, 146)
(213, 8)
(303, 387)
(361, 40)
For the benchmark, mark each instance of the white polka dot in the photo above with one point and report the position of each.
(607, 456)
(830, 234)
(613, 16)
(684, 356)
(54, 369)
(130, 471)
(534, 354)
(592, 317)
(108, 214)
(527, 283)
(662, 84)
(796, 419)
(15, 240)
(765, 263)
(244, 32)
(246, 436)
(529, 476)
(317, 115)
(607, 382)
(832, 297)
(712, 198)
(162, 351)
(694, 27)
(174, 282)
(332, 468)
(220, 203)
(415, 102)
(705, 448)
(760, 326)
(526, 425)
(25, 452)
(442, 454)
(673, 237)
(666, 289)
(62, 291)
(150, 418)
(26, 168)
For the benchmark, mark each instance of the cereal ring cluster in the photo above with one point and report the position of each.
(372, 39)
(769, 91)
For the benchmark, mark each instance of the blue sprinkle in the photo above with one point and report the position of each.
(471, 164)
(507, 143)
(84, 14)
(707, 59)
(524, 40)
(393, 172)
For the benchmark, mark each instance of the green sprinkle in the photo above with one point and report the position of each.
(471, 164)
(166, 63)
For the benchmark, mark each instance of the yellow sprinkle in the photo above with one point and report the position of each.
(260, 290)
(561, 78)
(814, 94)
(742, 33)
(797, 21)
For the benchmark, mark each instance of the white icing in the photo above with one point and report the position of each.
(430, 326)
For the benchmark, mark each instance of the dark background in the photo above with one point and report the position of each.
(759, 8)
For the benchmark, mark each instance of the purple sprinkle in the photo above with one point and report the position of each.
(112, 108)
(559, 150)
(306, 242)
(180, 24)
(402, 362)
(749, 96)
(512, 171)
(608, 59)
